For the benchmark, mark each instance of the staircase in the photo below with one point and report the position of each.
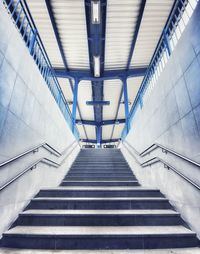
(99, 205)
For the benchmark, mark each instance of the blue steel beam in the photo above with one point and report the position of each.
(74, 104)
(96, 47)
(135, 35)
(62, 53)
(55, 29)
(105, 122)
(126, 105)
(106, 75)
(94, 141)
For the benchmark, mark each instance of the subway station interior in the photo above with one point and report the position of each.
(100, 126)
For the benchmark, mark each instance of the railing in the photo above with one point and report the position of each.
(41, 160)
(176, 23)
(23, 21)
(156, 159)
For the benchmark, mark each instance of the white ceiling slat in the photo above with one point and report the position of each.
(112, 90)
(73, 36)
(121, 21)
(106, 131)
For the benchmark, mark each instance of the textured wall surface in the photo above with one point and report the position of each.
(29, 116)
(171, 116)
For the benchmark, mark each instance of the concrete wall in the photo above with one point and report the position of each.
(29, 116)
(171, 116)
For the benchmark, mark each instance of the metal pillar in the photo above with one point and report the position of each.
(99, 132)
(75, 99)
(126, 105)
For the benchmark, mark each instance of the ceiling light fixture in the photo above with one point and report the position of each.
(96, 66)
(95, 13)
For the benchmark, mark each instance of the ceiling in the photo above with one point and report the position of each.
(126, 39)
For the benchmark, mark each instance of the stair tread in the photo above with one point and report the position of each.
(100, 230)
(103, 181)
(99, 198)
(125, 188)
(101, 212)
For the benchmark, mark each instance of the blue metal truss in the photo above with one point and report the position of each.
(106, 75)
(55, 29)
(124, 88)
(162, 46)
(94, 141)
(96, 47)
(105, 122)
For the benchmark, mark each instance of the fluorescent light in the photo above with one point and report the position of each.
(96, 66)
(95, 12)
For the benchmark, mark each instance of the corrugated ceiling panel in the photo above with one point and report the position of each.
(120, 26)
(71, 23)
(121, 112)
(81, 131)
(154, 18)
(107, 131)
(41, 18)
(118, 131)
(91, 131)
(133, 85)
(85, 94)
(112, 90)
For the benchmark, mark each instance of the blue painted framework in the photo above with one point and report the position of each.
(105, 122)
(124, 80)
(96, 41)
(162, 46)
(55, 29)
(106, 75)
(96, 47)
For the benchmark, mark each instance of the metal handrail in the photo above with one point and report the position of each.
(34, 149)
(164, 148)
(34, 164)
(166, 164)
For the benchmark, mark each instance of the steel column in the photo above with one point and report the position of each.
(99, 136)
(126, 104)
(75, 99)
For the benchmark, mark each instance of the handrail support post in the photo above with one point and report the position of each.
(32, 42)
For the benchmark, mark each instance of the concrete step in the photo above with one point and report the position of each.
(101, 171)
(127, 237)
(99, 178)
(105, 167)
(99, 183)
(119, 188)
(99, 203)
(98, 193)
(99, 218)
(94, 174)
(100, 163)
